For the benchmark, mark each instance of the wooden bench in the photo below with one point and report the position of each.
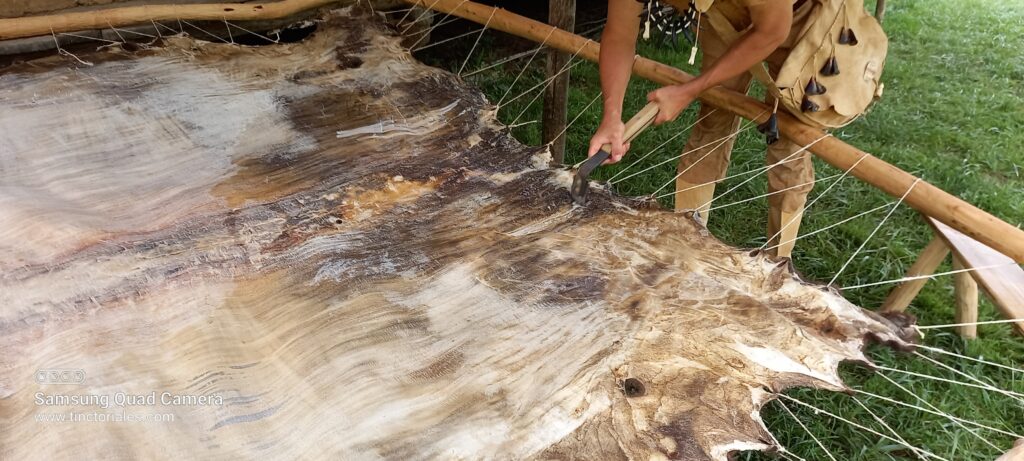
(1001, 278)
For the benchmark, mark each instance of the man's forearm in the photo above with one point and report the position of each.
(616, 66)
(772, 20)
(748, 51)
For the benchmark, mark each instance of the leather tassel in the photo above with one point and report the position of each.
(814, 88)
(847, 37)
(808, 106)
(770, 128)
(831, 67)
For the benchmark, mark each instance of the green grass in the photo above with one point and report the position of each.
(953, 114)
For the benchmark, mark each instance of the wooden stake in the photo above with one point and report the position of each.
(966, 291)
(122, 16)
(561, 14)
(925, 197)
(929, 259)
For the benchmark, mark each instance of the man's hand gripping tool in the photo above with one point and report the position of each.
(580, 182)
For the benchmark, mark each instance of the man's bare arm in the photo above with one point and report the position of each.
(771, 20)
(618, 49)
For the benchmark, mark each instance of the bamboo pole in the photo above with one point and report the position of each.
(924, 197)
(31, 26)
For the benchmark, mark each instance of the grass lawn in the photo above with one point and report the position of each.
(953, 114)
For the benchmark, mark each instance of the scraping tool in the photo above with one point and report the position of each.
(580, 182)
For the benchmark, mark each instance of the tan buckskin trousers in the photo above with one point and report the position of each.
(710, 145)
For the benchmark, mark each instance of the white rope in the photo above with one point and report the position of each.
(933, 407)
(708, 153)
(440, 42)
(253, 33)
(761, 170)
(86, 37)
(406, 15)
(520, 55)
(808, 431)
(426, 33)
(565, 68)
(116, 32)
(949, 381)
(987, 322)
(830, 226)
(859, 426)
(954, 354)
(873, 232)
(227, 26)
(719, 142)
(716, 181)
(930, 276)
(203, 31)
(988, 386)
(525, 66)
(528, 122)
(544, 82)
(129, 31)
(159, 25)
(889, 428)
(938, 413)
(769, 194)
(419, 18)
(477, 42)
(659, 146)
(578, 115)
(789, 454)
(815, 200)
(63, 52)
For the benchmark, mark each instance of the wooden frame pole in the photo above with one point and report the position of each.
(31, 26)
(924, 197)
(965, 289)
(929, 259)
(561, 14)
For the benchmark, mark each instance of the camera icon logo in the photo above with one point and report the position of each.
(60, 376)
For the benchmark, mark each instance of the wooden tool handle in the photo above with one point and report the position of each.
(635, 125)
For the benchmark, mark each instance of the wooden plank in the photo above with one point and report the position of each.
(561, 14)
(929, 259)
(922, 196)
(965, 289)
(1003, 283)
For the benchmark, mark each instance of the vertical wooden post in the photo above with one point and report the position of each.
(929, 259)
(965, 289)
(561, 14)
(880, 10)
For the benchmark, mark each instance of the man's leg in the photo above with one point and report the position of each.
(785, 209)
(707, 151)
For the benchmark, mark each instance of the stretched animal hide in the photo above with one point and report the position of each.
(328, 250)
